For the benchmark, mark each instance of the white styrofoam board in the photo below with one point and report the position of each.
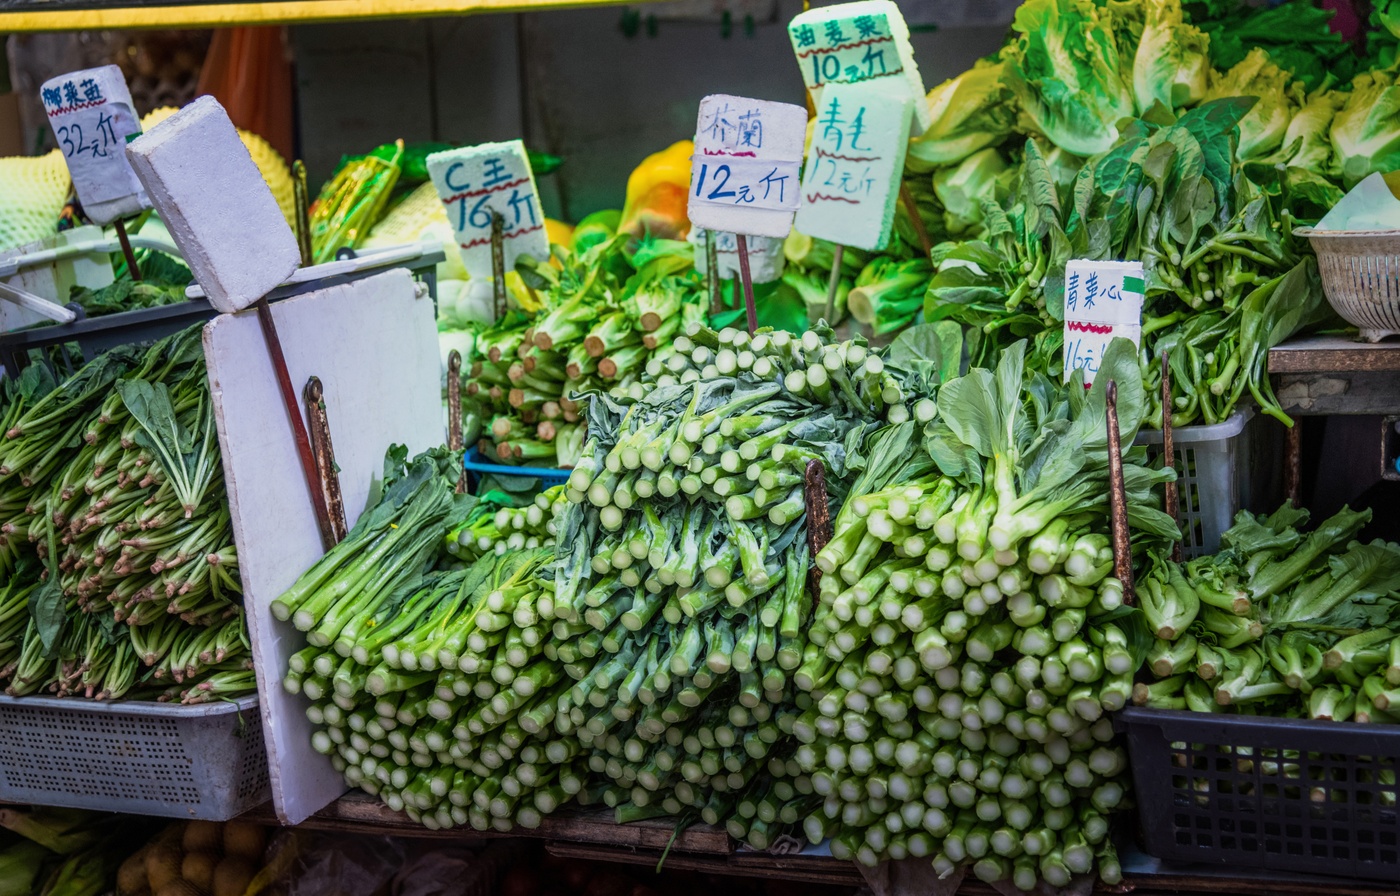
(373, 343)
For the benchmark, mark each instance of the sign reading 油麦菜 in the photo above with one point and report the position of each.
(850, 186)
(91, 114)
(744, 174)
(1103, 301)
(862, 41)
(476, 183)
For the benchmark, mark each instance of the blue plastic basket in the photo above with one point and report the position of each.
(548, 476)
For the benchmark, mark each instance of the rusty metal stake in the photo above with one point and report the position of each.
(303, 440)
(303, 206)
(1293, 464)
(818, 520)
(1118, 500)
(747, 280)
(324, 453)
(1169, 454)
(455, 441)
(498, 263)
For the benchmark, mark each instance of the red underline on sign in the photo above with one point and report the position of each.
(64, 110)
(495, 189)
(869, 40)
(486, 241)
(1077, 327)
(817, 197)
(741, 154)
(823, 154)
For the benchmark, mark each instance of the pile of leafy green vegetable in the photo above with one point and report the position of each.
(163, 281)
(1279, 623)
(1225, 277)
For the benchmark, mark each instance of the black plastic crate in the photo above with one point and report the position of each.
(1246, 791)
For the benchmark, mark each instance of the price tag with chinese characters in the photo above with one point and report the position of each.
(766, 258)
(476, 183)
(1103, 301)
(862, 41)
(851, 184)
(92, 116)
(744, 174)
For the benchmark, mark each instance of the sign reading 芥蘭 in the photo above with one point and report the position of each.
(91, 114)
(862, 41)
(476, 183)
(850, 186)
(744, 173)
(1103, 301)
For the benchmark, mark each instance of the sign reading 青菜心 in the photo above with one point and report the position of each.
(92, 116)
(744, 173)
(853, 42)
(851, 183)
(1103, 301)
(476, 183)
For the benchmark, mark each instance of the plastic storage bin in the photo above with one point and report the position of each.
(548, 476)
(1284, 794)
(1222, 468)
(204, 761)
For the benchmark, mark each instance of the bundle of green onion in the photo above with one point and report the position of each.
(968, 641)
(1279, 623)
(116, 485)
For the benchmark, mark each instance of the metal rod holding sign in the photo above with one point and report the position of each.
(746, 280)
(127, 253)
(498, 263)
(1118, 500)
(1173, 500)
(299, 433)
(834, 284)
(324, 453)
(712, 273)
(912, 207)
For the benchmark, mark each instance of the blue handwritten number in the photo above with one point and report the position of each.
(719, 192)
(825, 68)
(481, 215)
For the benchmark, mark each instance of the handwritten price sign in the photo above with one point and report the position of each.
(477, 183)
(851, 182)
(1103, 301)
(92, 115)
(853, 42)
(744, 174)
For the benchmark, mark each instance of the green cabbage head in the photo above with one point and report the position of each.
(1065, 69)
(1172, 65)
(969, 113)
(1366, 131)
(1263, 128)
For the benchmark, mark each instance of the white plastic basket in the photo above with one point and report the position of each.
(1361, 277)
(1221, 469)
(205, 761)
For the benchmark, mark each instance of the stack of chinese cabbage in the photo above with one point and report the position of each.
(118, 535)
(969, 635)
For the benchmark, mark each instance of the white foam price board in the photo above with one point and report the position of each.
(744, 173)
(91, 114)
(477, 182)
(1103, 302)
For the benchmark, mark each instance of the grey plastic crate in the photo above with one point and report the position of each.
(1253, 792)
(1222, 469)
(205, 761)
